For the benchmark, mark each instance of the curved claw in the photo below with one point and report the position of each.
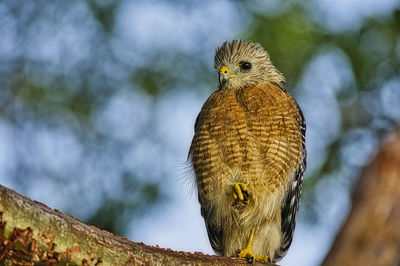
(251, 260)
(240, 192)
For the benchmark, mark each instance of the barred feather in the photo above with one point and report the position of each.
(249, 131)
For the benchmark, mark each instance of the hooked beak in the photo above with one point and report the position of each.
(223, 75)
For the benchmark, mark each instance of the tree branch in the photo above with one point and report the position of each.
(32, 233)
(371, 233)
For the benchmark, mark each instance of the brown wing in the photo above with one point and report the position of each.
(215, 233)
(274, 121)
(278, 123)
(199, 156)
(292, 200)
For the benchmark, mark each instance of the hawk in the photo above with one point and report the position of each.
(248, 154)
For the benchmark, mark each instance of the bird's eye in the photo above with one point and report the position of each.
(245, 65)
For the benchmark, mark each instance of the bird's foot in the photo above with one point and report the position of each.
(240, 193)
(250, 257)
(247, 252)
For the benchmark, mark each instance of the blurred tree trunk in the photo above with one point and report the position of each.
(33, 234)
(371, 233)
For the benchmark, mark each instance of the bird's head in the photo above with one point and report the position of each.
(241, 63)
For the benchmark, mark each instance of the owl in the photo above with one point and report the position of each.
(248, 155)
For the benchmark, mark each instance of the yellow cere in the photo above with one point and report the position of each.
(224, 70)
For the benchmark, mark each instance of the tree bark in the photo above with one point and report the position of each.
(33, 234)
(371, 233)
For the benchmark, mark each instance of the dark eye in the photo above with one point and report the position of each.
(245, 65)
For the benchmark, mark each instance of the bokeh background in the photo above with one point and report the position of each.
(98, 100)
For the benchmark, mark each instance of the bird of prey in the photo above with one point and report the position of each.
(248, 155)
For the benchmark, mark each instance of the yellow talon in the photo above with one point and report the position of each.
(240, 192)
(247, 252)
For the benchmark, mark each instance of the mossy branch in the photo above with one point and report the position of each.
(32, 233)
